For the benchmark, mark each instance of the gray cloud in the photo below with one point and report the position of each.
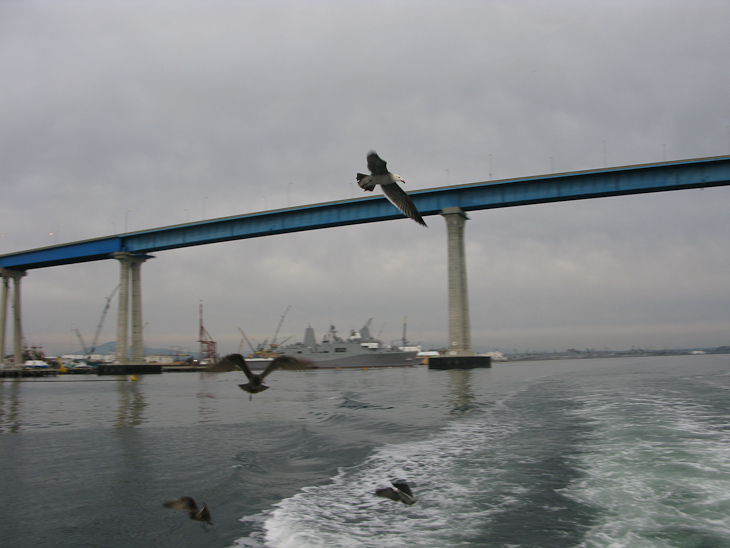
(150, 114)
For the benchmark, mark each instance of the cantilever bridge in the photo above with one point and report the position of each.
(132, 249)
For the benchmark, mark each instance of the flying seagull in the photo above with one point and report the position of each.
(379, 175)
(255, 382)
(187, 504)
(401, 493)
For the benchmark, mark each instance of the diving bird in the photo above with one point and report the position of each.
(379, 175)
(255, 382)
(401, 493)
(187, 504)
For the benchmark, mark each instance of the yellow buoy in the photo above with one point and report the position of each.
(133, 378)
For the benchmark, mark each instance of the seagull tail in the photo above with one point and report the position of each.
(248, 388)
(365, 182)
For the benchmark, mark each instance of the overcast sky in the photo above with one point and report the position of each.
(122, 116)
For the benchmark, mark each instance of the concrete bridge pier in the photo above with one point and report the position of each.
(5, 276)
(130, 264)
(460, 355)
(459, 325)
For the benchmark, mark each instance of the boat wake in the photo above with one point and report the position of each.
(559, 464)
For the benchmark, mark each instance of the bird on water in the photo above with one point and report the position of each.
(379, 175)
(255, 382)
(187, 504)
(401, 493)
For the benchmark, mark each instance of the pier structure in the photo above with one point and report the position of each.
(130, 269)
(460, 354)
(6, 275)
(459, 324)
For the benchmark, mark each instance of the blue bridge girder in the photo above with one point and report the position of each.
(617, 181)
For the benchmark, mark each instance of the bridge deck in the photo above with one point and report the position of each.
(666, 176)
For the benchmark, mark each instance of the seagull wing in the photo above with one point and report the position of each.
(184, 504)
(376, 164)
(287, 363)
(238, 361)
(388, 493)
(204, 514)
(402, 201)
(403, 487)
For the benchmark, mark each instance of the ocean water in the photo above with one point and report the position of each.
(609, 453)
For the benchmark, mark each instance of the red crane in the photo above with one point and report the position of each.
(208, 346)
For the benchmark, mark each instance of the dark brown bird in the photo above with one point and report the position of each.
(255, 382)
(401, 493)
(187, 504)
(379, 175)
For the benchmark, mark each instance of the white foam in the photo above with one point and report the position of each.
(656, 464)
(445, 473)
(653, 464)
(256, 538)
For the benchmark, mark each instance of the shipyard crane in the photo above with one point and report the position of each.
(90, 349)
(101, 321)
(208, 347)
(278, 328)
(264, 349)
(79, 337)
(246, 339)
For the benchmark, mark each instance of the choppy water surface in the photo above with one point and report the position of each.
(582, 453)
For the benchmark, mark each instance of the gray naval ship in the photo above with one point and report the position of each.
(360, 349)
